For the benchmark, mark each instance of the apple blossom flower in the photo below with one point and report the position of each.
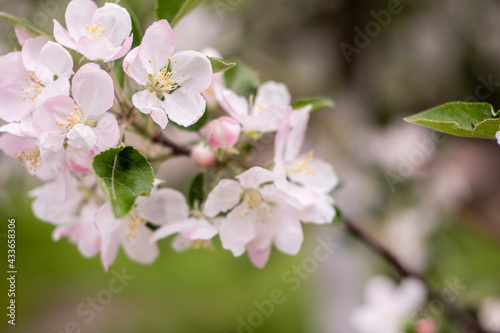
(131, 232)
(82, 231)
(261, 114)
(310, 179)
(97, 33)
(223, 132)
(27, 78)
(259, 215)
(15, 143)
(388, 307)
(82, 120)
(173, 82)
(203, 155)
(175, 218)
(489, 315)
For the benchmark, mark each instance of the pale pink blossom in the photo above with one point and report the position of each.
(203, 155)
(23, 34)
(176, 218)
(97, 33)
(261, 113)
(40, 71)
(305, 177)
(217, 80)
(82, 231)
(388, 307)
(223, 132)
(80, 121)
(173, 82)
(259, 216)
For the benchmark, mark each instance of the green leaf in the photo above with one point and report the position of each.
(19, 21)
(472, 120)
(220, 65)
(136, 26)
(174, 10)
(316, 102)
(196, 190)
(123, 174)
(338, 219)
(242, 80)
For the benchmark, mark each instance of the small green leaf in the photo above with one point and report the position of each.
(338, 219)
(196, 190)
(220, 65)
(242, 80)
(123, 174)
(17, 20)
(472, 120)
(174, 10)
(316, 102)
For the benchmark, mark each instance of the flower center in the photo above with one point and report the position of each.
(73, 119)
(256, 203)
(31, 159)
(167, 79)
(33, 88)
(134, 220)
(96, 31)
(304, 166)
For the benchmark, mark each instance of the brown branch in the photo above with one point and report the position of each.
(466, 322)
(159, 137)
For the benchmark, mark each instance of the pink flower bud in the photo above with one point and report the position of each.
(223, 132)
(426, 326)
(203, 155)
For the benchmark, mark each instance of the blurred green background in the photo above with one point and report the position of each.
(443, 219)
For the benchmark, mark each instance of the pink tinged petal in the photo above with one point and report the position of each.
(199, 229)
(236, 106)
(96, 49)
(259, 257)
(147, 102)
(51, 110)
(298, 120)
(12, 144)
(82, 137)
(115, 20)
(78, 14)
(23, 34)
(319, 212)
(272, 93)
(223, 197)
(139, 248)
(56, 88)
(238, 229)
(12, 128)
(54, 160)
(160, 118)
(167, 230)
(93, 90)
(31, 51)
(203, 155)
(268, 120)
(289, 237)
(51, 142)
(196, 68)
(56, 61)
(132, 65)
(79, 161)
(12, 80)
(63, 37)
(164, 206)
(254, 177)
(157, 46)
(127, 44)
(111, 231)
(107, 132)
(184, 106)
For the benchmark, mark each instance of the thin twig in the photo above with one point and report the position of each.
(466, 322)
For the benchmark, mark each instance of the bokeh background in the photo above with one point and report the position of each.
(431, 199)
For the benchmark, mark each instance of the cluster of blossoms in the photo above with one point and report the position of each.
(57, 120)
